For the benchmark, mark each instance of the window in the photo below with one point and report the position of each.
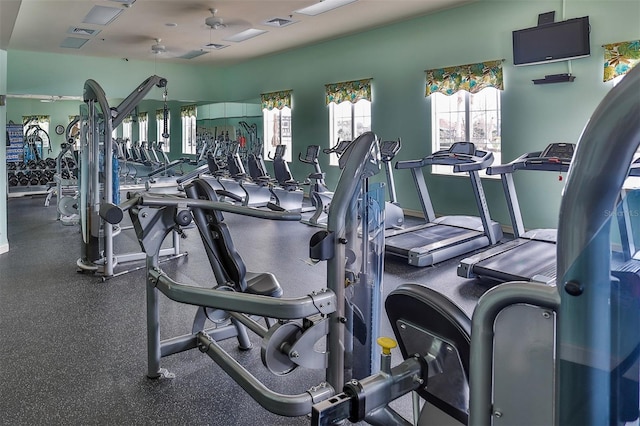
(160, 123)
(276, 113)
(143, 127)
(188, 120)
(127, 128)
(466, 117)
(347, 121)
(349, 111)
(465, 106)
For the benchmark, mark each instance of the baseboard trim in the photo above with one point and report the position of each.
(4, 248)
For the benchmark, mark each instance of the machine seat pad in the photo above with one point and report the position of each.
(433, 312)
(263, 284)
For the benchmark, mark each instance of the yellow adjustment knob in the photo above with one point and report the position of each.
(387, 344)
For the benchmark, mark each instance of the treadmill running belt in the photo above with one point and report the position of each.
(521, 263)
(424, 237)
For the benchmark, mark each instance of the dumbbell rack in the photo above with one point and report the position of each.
(32, 176)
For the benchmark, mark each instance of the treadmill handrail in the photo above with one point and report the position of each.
(531, 161)
(460, 162)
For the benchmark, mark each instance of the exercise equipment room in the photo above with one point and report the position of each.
(383, 212)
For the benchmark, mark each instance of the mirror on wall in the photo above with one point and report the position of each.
(238, 123)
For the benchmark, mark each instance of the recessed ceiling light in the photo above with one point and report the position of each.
(193, 54)
(73, 42)
(323, 6)
(171, 24)
(125, 3)
(102, 15)
(245, 35)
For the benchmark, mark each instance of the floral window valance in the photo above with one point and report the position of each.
(277, 100)
(143, 116)
(35, 119)
(188, 111)
(127, 119)
(619, 58)
(350, 91)
(472, 78)
(159, 115)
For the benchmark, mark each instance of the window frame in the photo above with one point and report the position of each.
(467, 116)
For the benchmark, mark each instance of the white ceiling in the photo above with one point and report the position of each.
(42, 25)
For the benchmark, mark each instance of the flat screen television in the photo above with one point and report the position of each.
(558, 41)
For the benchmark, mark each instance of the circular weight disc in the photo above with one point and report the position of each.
(273, 358)
(68, 206)
(218, 316)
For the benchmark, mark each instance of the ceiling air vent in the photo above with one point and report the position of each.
(82, 31)
(279, 22)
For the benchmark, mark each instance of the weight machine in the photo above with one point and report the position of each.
(98, 180)
(346, 313)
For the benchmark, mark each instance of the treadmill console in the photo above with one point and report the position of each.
(559, 150)
(467, 148)
(389, 149)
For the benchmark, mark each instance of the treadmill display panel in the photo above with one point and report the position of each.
(559, 150)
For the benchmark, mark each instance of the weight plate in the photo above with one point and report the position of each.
(279, 336)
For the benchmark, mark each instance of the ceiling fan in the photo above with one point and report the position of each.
(158, 48)
(215, 22)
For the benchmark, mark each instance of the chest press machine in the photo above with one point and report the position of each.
(346, 316)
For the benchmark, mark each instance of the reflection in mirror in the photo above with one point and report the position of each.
(229, 128)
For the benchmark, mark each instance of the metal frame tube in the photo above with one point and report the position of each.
(265, 306)
(284, 405)
(596, 175)
(482, 332)
(365, 150)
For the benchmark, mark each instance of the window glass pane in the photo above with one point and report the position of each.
(449, 119)
(485, 118)
(188, 135)
(143, 130)
(277, 131)
(346, 122)
(361, 117)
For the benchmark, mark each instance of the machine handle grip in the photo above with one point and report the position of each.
(113, 213)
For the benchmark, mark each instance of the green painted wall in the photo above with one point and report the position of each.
(4, 243)
(395, 57)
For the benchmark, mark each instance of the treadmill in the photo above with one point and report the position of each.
(531, 255)
(445, 237)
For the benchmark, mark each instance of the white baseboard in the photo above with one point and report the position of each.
(4, 248)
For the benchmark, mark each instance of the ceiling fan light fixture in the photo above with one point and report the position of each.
(323, 6)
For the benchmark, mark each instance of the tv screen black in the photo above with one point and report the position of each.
(558, 41)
